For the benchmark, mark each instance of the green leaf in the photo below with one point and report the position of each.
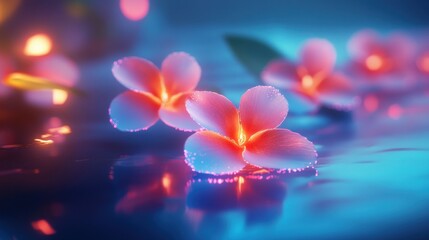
(252, 53)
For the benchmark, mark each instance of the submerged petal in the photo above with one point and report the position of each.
(214, 112)
(279, 148)
(262, 107)
(337, 91)
(138, 74)
(280, 73)
(181, 73)
(132, 111)
(174, 113)
(209, 152)
(318, 55)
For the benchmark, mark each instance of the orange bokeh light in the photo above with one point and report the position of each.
(134, 10)
(43, 226)
(374, 62)
(166, 183)
(307, 82)
(59, 97)
(38, 45)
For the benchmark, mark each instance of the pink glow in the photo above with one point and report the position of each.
(134, 10)
(395, 111)
(423, 63)
(43, 226)
(371, 103)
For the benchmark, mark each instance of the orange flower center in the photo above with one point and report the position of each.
(307, 82)
(374, 62)
(164, 97)
(241, 136)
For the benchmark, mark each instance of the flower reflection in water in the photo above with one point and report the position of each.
(150, 183)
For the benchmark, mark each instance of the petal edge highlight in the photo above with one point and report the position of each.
(279, 148)
(261, 108)
(138, 74)
(181, 73)
(209, 152)
(214, 112)
(132, 111)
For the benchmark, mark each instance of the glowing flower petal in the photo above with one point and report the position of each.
(262, 107)
(208, 152)
(362, 44)
(174, 114)
(131, 111)
(214, 112)
(280, 73)
(279, 148)
(318, 55)
(337, 91)
(138, 74)
(181, 73)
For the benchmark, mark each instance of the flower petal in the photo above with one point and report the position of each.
(132, 111)
(209, 152)
(337, 91)
(279, 148)
(362, 44)
(138, 74)
(318, 55)
(214, 112)
(174, 113)
(402, 49)
(181, 73)
(262, 107)
(280, 73)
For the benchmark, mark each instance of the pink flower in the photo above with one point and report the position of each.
(311, 81)
(373, 55)
(234, 138)
(154, 94)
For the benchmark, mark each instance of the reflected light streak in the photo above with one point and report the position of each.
(38, 45)
(44, 141)
(59, 97)
(134, 10)
(43, 226)
(63, 130)
(374, 62)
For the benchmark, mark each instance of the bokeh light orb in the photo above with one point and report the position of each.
(38, 45)
(134, 10)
